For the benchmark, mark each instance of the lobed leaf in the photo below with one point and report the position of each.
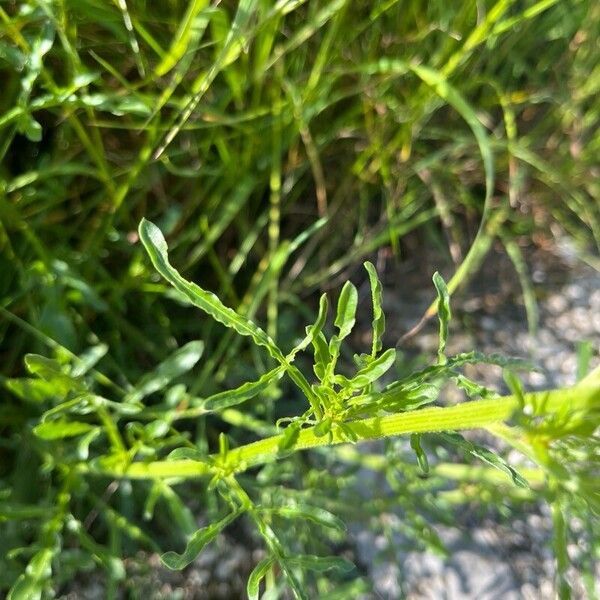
(157, 249)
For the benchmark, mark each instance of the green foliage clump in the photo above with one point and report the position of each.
(86, 429)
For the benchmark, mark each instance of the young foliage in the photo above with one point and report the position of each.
(84, 435)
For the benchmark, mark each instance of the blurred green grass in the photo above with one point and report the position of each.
(266, 117)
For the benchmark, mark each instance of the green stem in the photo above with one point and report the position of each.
(468, 415)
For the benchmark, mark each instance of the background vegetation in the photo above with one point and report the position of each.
(277, 145)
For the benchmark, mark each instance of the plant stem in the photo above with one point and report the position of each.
(468, 415)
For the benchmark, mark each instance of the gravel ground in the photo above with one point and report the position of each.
(489, 560)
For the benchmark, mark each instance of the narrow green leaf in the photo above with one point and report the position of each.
(472, 388)
(311, 513)
(372, 372)
(180, 362)
(38, 390)
(585, 352)
(322, 356)
(184, 453)
(487, 456)
(323, 427)
(415, 444)
(346, 309)
(408, 397)
(60, 429)
(289, 437)
(201, 538)
(559, 545)
(245, 392)
(257, 575)
(378, 314)
(181, 40)
(321, 563)
(514, 385)
(157, 249)
(30, 585)
(444, 314)
(30, 128)
(88, 359)
(312, 330)
(51, 370)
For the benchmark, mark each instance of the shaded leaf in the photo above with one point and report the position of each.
(322, 427)
(487, 456)
(60, 429)
(321, 563)
(311, 513)
(201, 538)
(289, 437)
(183, 35)
(415, 444)
(180, 362)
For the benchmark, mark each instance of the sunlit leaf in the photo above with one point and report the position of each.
(372, 372)
(245, 392)
(156, 246)
(378, 326)
(346, 310)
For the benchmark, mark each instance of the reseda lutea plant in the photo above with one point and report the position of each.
(84, 437)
